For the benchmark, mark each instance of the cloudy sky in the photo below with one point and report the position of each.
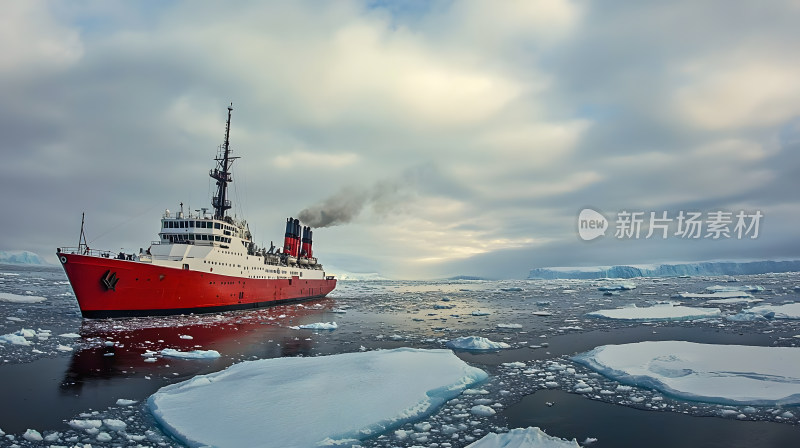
(465, 136)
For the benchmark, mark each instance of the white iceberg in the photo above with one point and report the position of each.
(15, 298)
(725, 374)
(347, 397)
(532, 437)
(664, 311)
(475, 343)
(194, 354)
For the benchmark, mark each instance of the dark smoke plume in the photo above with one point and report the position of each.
(348, 203)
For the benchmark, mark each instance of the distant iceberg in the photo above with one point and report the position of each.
(712, 373)
(21, 257)
(667, 270)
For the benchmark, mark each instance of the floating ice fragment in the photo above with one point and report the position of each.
(69, 335)
(532, 437)
(126, 402)
(14, 298)
(482, 411)
(32, 435)
(185, 336)
(510, 326)
(475, 343)
(665, 311)
(194, 354)
(317, 326)
(480, 313)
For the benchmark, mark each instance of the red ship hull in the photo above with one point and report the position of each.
(107, 287)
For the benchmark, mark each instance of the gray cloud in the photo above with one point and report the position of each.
(117, 110)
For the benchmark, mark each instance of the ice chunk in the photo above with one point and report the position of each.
(665, 311)
(480, 313)
(532, 437)
(713, 295)
(787, 311)
(727, 374)
(347, 396)
(14, 338)
(32, 435)
(475, 343)
(14, 298)
(621, 286)
(69, 335)
(728, 288)
(482, 411)
(509, 326)
(126, 402)
(318, 326)
(114, 424)
(194, 354)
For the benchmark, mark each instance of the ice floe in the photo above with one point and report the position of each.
(662, 311)
(621, 286)
(347, 396)
(532, 437)
(713, 295)
(15, 298)
(728, 288)
(786, 311)
(726, 374)
(194, 354)
(317, 326)
(475, 343)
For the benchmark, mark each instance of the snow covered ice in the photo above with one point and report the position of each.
(531, 437)
(727, 374)
(664, 311)
(16, 298)
(346, 396)
(475, 343)
(194, 354)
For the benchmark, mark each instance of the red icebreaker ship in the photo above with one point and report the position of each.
(201, 263)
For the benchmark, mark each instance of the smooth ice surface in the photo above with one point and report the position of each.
(194, 354)
(306, 402)
(728, 374)
(531, 437)
(16, 298)
(665, 311)
(475, 343)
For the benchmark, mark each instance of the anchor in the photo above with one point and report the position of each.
(110, 280)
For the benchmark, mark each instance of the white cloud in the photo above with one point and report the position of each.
(741, 91)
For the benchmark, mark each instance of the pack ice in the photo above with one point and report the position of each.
(317, 401)
(726, 374)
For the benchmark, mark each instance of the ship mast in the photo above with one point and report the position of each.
(222, 173)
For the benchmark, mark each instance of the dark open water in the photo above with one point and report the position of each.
(43, 386)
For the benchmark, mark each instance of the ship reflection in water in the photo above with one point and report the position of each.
(116, 349)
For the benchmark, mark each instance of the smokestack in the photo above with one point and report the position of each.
(296, 237)
(307, 242)
(288, 239)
